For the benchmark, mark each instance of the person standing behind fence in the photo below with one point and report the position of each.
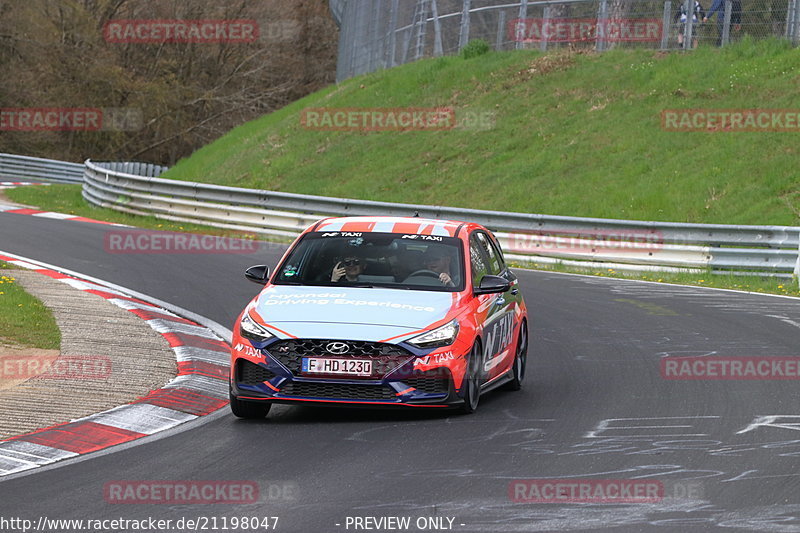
(718, 7)
(698, 16)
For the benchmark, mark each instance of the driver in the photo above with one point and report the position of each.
(438, 260)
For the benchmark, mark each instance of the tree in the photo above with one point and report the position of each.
(160, 100)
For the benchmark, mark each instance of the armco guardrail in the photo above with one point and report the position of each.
(20, 167)
(623, 244)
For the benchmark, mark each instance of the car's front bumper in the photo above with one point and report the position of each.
(273, 384)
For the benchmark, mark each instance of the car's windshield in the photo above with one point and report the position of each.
(393, 260)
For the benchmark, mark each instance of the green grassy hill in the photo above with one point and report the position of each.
(573, 134)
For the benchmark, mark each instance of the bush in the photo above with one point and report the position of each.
(475, 48)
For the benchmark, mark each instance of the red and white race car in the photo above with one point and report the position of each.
(381, 311)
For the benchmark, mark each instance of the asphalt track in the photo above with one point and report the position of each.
(594, 407)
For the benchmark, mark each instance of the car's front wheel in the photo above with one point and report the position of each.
(472, 381)
(245, 409)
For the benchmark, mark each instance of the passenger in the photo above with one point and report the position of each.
(348, 269)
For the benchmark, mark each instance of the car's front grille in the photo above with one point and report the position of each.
(385, 357)
(339, 391)
(433, 382)
(252, 374)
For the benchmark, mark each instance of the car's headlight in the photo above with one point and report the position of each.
(441, 336)
(250, 329)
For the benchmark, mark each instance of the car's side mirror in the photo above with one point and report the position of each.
(492, 285)
(257, 274)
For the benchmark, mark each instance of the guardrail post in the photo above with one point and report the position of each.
(463, 37)
(689, 24)
(797, 264)
(545, 23)
(665, 24)
(438, 49)
(393, 34)
(726, 24)
(795, 20)
(523, 15)
(378, 45)
(421, 29)
(501, 24)
(602, 18)
(791, 21)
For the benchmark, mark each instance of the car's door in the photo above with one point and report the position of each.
(497, 310)
(514, 302)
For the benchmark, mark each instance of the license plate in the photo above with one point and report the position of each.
(350, 367)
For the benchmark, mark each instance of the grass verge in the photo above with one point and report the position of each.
(569, 133)
(766, 285)
(24, 320)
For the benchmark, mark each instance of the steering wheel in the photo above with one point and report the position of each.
(423, 272)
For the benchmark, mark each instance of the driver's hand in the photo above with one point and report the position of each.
(444, 277)
(338, 272)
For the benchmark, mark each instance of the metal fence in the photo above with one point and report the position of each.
(377, 34)
(20, 167)
(147, 170)
(586, 242)
(593, 242)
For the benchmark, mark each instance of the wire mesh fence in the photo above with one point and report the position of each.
(385, 33)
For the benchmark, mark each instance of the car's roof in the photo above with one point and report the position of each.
(412, 225)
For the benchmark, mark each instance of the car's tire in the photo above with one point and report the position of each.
(251, 410)
(472, 381)
(520, 360)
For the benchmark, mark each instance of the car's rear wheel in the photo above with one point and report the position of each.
(472, 381)
(520, 360)
(245, 409)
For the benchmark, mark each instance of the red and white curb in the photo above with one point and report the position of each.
(6, 208)
(12, 184)
(200, 388)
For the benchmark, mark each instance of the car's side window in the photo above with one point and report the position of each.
(495, 264)
(498, 252)
(477, 260)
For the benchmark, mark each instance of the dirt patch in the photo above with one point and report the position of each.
(550, 63)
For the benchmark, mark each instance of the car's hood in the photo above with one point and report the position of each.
(350, 312)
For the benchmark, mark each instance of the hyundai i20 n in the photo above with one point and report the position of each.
(381, 311)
